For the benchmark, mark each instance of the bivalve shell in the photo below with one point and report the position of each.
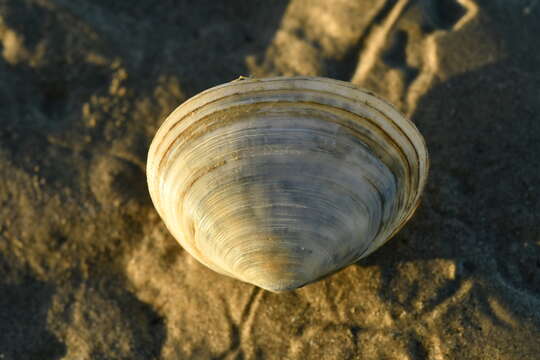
(281, 181)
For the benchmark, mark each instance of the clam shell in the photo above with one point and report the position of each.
(280, 181)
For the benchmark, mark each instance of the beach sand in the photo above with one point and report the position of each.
(89, 271)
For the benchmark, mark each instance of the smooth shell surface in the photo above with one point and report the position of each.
(281, 181)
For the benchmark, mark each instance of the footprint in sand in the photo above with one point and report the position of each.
(401, 47)
(387, 46)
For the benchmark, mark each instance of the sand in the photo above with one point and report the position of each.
(87, 268)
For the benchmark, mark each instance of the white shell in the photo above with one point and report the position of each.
(281, 181)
